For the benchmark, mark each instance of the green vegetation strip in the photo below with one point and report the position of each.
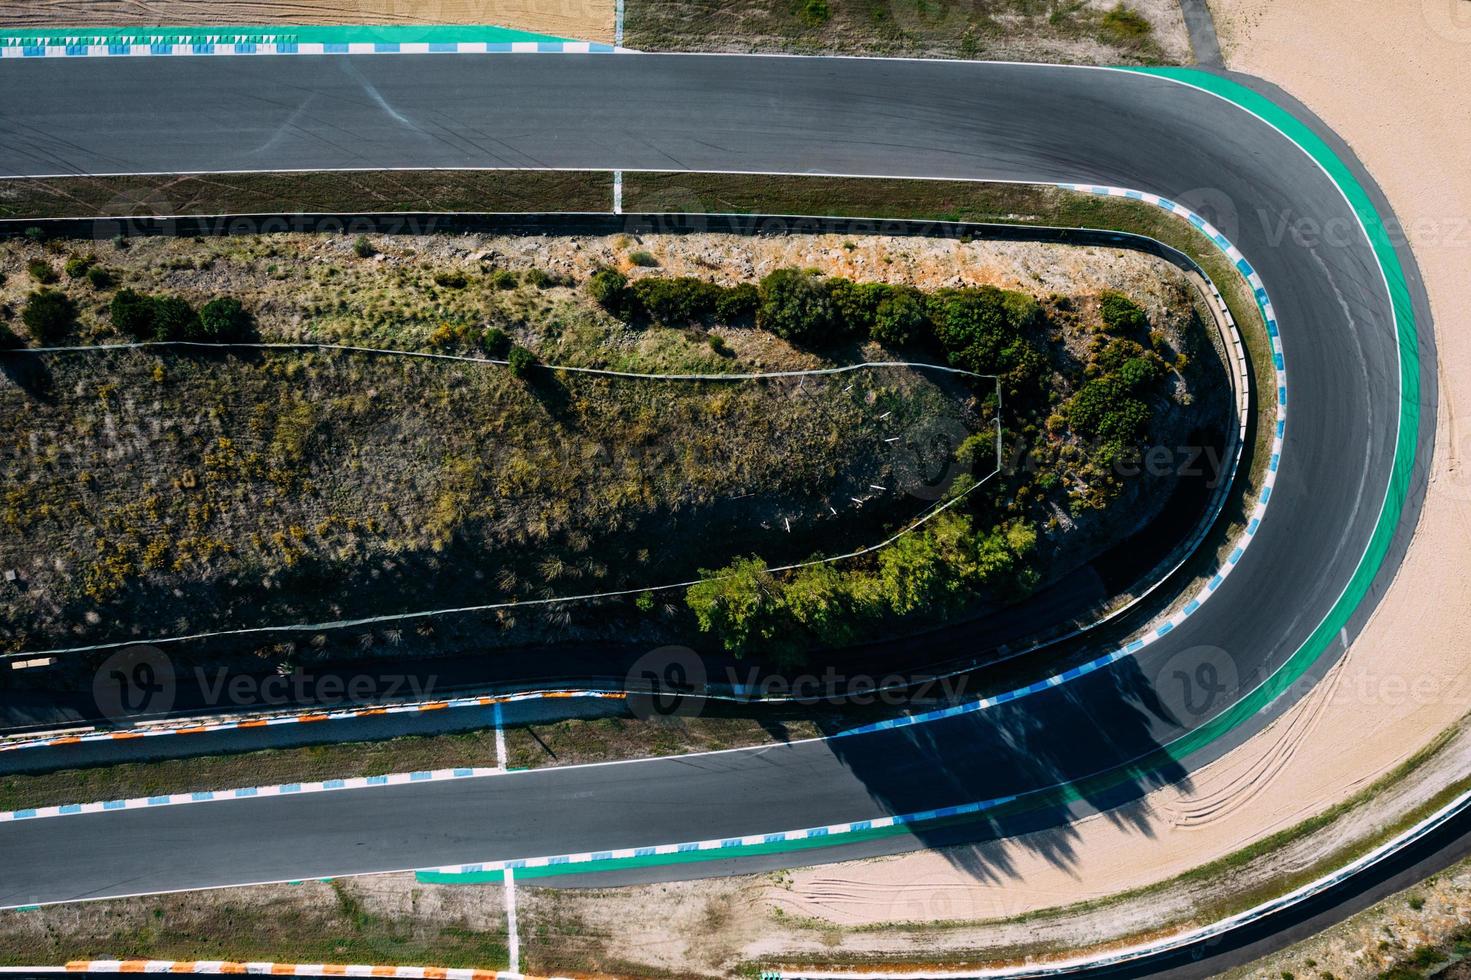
(1326, 632)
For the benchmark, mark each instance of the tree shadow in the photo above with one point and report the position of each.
(1096, 744)
(30, 374)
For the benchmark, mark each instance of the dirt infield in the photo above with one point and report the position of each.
(587, 20)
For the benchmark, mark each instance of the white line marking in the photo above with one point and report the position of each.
(617, 192)
(513, 941)
(500, 737)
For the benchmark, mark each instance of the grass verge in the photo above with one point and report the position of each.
(326, 192)
(312, 922)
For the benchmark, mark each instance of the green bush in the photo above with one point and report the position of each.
(542, 279)
(738, 603)
(225, 320)
(737, 304)
(1104, 409)
(856, 303)
(834, 606)
(132, 314)
(41, 271)
(797, 306)
(1126, 25)
(77, 266)
(813, 13)
(451, 279)
(48, 315)
(675, 302)
(1121, 314)
(1138, 372)
(985, 330)
(644, 259)
(99, 278)
(901, 318)
(175, 319)
(503, 279)
(521, 361)
(609, 289)
(496, 343)
(363, 248)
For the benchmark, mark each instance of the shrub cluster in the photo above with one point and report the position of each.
(145, 317)
(982, 549)
(748, 608)
(986, 330)
(1109, 407)
(41, 271)
(48, 315)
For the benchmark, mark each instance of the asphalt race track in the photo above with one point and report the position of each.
(842, 116)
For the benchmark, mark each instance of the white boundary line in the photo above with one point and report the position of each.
(500, 737)
(513, 937)
(252, 792)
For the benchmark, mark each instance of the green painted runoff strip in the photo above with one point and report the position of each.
(1312, 648)
(280, 34)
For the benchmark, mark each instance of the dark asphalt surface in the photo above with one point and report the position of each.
(760, 114)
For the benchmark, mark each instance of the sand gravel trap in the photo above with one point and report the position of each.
(1392, 80)
(587, 20)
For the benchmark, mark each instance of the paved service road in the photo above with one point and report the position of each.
(847, 116)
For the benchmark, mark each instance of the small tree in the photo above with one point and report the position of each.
(739, 603)
(737, 304)
(48, 315)
(495, 342)
(175, 319)
(132, 314)
(521, 361)
(900, 319)
(1121, 314)
(796, 306)
(224, 320)
(363, 248)
(76, 267)
(609, 289)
